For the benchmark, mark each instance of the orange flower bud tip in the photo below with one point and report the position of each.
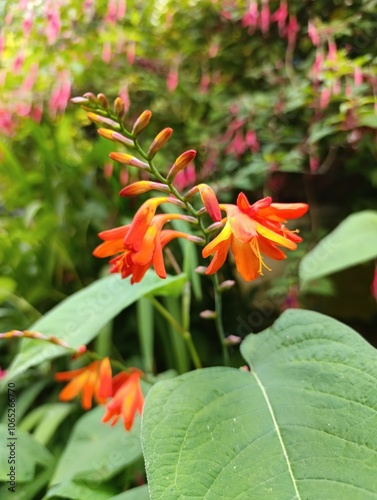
(126, 159)
(160, 140)
(143, 187)
(180, 163)
(141, 122)
(106, 133)
(119, 107)
(81, 349)
(102, 120)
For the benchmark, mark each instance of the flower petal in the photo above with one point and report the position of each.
(247, 262)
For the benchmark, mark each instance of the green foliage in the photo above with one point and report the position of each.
(299, 424)
(80, 317)
(353, 242)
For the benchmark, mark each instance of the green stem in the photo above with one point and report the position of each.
(218, 318)
(184, 333)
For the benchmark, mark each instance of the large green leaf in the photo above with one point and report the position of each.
(78, 319)
(97, 451)
(28, 453)
(353, 242)
(301, 424)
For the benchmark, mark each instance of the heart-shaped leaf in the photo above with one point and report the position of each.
(301, 424)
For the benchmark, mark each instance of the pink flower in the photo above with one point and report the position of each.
(106, 52)
(18, 62)
(172, 79)
(122, 8)
(111, 14)
(250, 19)
(252, 141)
(280, 16)
(313, 33)
(332, 51)
(265, 17)
(53, 22)
(325, 98)
(357, 76)
(27, 25)
(205, 83)
(292, 30)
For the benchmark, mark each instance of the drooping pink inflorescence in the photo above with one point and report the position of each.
(53, 24)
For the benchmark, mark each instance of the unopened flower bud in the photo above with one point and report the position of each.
(126, 159)
(214, 227)
(103, 101)
(115, 137)
(196, 239)
(232, 340)
(141, 122)
(201, 270)
(119, 107)
(207, 314)
(79, 100)
(180, 163)
(102, 120)
(160, 140)
(226, 285)
(91, 97)
(143, 187)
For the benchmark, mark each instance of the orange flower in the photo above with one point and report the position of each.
(251, 230)
(127, 398)
(140, 243)
(92, 380)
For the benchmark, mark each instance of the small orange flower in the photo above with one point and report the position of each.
(138, 254)
(92, 380)
(127, 399)
(251, 230)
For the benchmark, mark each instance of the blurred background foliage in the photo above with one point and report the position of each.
(277, 97)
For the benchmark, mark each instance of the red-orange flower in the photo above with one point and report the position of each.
(91, 381)
(127, 399)
(140, 243)
(253, 230)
